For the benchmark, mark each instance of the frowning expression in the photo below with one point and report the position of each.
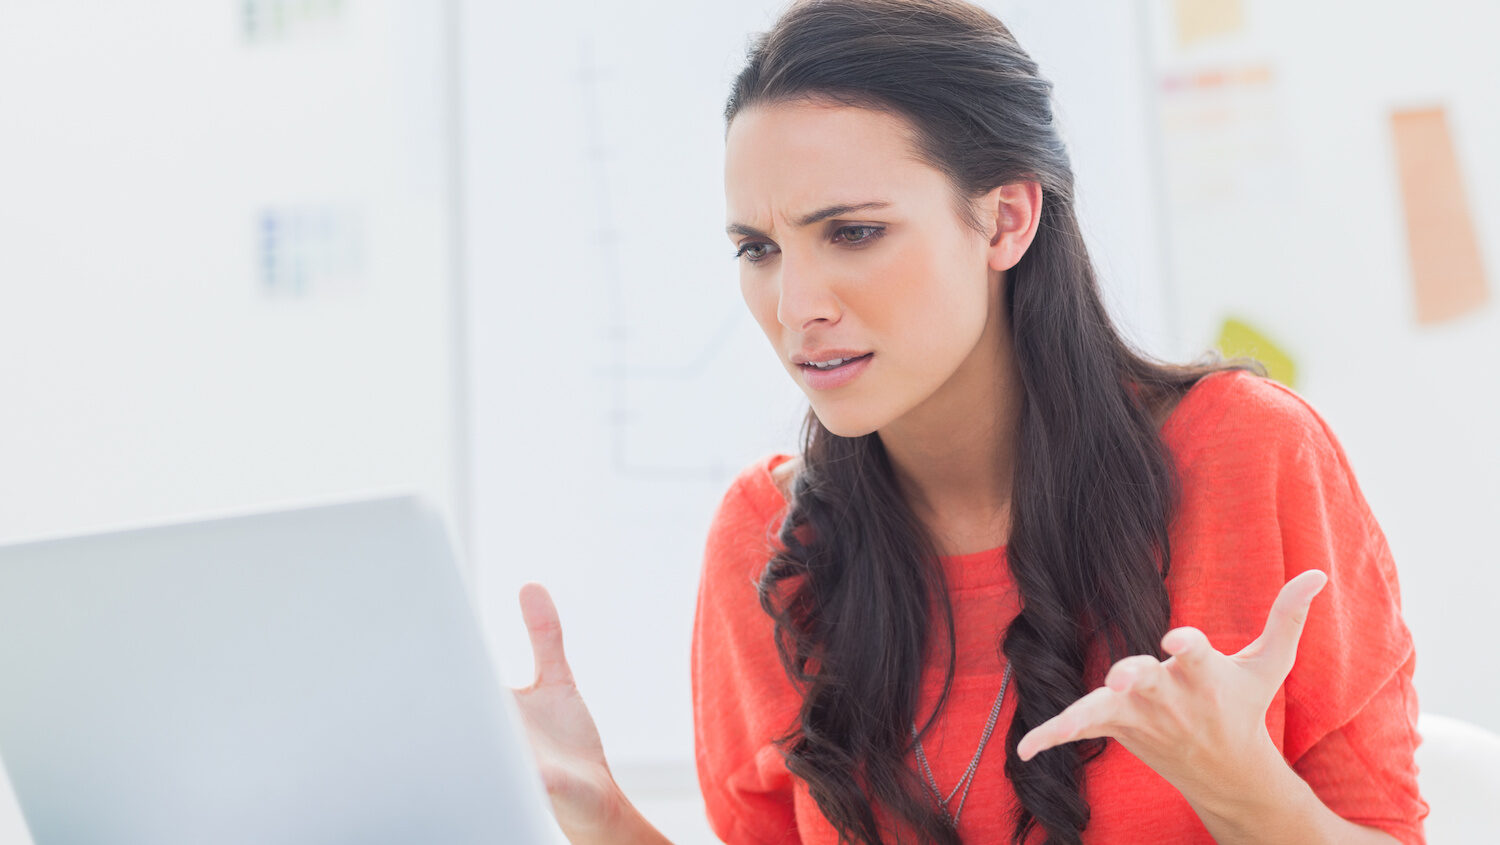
(855, 261)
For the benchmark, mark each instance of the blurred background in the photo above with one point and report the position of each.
(265, 251)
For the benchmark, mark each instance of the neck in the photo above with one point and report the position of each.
(954, 456)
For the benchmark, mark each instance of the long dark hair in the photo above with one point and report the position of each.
(856, 574)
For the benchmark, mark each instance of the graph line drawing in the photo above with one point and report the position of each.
(618, 373)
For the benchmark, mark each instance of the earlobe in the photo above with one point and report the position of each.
(1018, 209)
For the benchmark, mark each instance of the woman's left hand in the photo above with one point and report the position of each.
(1198, 718)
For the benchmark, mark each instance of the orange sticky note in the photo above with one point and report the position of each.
(1446, 267)
(1198, 20)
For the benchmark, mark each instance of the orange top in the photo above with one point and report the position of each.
(1266, 493)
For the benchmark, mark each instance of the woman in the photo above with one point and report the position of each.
(1004, 522)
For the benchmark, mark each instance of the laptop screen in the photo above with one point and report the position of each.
(305, 676)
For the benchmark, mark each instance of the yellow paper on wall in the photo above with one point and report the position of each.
(1239, 339)
(1198, 20)
(1446, 267)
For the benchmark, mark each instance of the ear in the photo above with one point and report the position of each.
(1013, 211)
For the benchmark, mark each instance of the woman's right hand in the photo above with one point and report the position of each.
(588, 804)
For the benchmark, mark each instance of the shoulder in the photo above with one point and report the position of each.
(1237, 417)
(742, 696)
(741, 537)
(1268, 493)
(784, 469)
(762, 488)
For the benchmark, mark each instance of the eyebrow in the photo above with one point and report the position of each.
(809, 219)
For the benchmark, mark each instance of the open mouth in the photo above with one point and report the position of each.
(836, 363)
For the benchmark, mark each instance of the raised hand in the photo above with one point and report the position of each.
(1198, 718)
(570, 757)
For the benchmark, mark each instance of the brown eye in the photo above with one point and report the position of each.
(858, 234)
(755, 251)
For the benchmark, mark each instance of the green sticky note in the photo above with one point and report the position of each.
(1239, 339)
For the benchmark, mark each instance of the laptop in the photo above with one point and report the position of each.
(311, 675)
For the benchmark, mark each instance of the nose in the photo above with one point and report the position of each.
(806, 297)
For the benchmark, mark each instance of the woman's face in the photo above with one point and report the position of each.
(874, 293)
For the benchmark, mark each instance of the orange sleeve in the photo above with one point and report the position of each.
(1351, 712)
(742, 699)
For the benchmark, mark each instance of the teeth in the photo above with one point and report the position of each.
(828, 365)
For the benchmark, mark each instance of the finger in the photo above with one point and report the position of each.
(1088, 717)
(1275, 650)
(1190, 650)
(1140, 674)
(542, 624)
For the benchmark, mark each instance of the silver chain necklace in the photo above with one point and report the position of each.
(968, 779)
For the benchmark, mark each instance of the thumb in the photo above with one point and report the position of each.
(1275, 650)
(545, 630)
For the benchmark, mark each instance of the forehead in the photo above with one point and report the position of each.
(785, 159)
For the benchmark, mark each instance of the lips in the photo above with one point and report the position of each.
(823, 355)
(849, 368)
(828, 364)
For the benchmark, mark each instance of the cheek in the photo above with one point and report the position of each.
(760, 298)
(935, 308)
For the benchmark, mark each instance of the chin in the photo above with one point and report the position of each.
(842, 422)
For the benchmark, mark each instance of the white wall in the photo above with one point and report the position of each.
(150, 367)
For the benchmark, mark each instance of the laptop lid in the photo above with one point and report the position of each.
(314, 675)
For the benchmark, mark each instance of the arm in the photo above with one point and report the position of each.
(1362, 771)
(1198, 720)
(742, 699)
(588, 804)
(626, 827)
(1277, 805)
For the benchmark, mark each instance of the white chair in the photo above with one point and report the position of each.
(1459, 775)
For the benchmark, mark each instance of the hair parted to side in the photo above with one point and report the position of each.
(1094, 488)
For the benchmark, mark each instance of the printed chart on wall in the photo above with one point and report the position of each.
(1225, 156)
(1245, 107)
(677, 346)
